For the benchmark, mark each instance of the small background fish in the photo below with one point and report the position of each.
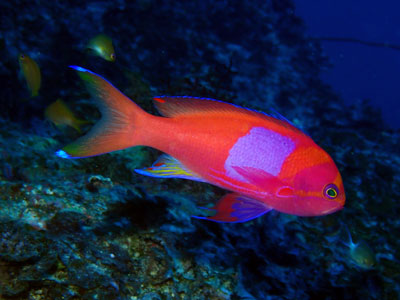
(102, 46)
(360, 253)
(60, 114)
(31, 73)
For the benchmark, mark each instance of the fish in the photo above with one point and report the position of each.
(263, 160)
(360, 253)
(60, 114)
(31, 73)
(102, 46)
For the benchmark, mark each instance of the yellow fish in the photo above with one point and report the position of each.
(31, 72)
(360, 253)
(102, 46)
(59, 113)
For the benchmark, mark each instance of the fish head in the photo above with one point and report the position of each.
(318, 190)
(107, 53)
(112, 56)
(23, 60)
(21, 57)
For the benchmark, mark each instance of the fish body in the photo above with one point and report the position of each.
(60, 114)
(102, 46)
(266, 162)
(31, 73)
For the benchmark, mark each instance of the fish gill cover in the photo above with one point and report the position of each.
(92, 229)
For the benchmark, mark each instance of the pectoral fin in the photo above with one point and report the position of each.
(168, 167)
(235, 208)
(261, 178)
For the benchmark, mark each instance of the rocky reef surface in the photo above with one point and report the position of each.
(93, 229)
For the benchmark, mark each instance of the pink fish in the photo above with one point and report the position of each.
(264, 161)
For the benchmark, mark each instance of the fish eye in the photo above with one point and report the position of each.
(331, 191)
(22, 56)
(112, 56)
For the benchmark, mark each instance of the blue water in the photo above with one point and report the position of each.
(359, 71)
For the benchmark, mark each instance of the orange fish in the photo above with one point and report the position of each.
(31, 72)
(265, 161)
(59, 113)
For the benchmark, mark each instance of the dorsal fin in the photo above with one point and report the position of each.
(176, 106)
(169, 106)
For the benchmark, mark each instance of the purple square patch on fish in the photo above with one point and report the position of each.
(250, 150)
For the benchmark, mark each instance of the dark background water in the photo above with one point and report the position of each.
(359, 71)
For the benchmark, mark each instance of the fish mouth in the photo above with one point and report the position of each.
(332, 209)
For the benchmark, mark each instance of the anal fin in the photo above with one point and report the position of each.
(236, 208)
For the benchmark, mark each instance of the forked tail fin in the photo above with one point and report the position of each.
(117, 128)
